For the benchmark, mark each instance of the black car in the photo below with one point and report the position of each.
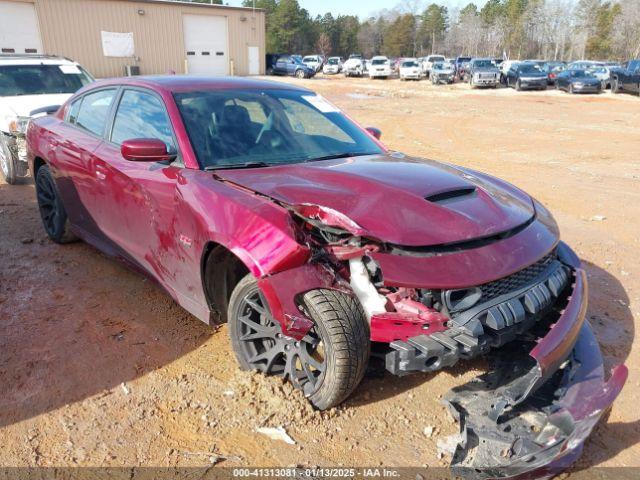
(552, 69)
(526, 75)
(578, 81)
(288, 65)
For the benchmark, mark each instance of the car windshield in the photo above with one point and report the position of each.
(379, 61)
(41, 79)
(309, 59)
(464, 59)
(529, 68)
(333, 61)
(410, 64)
(482, 63)
(243, 128)
(439, 66)
(581, 73)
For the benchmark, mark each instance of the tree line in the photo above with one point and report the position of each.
(548, 29)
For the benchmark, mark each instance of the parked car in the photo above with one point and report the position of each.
(333, 66)
(603, 74)
(627, 79)
(526, 76)
(443, 72)
(380, 67)
(504, 69)
(584, 64)
(578, 81)
(266, 207)
(410, 69)
(483, 73)
(288, 65)
(314, 61)
(428, 63)
(552, 69)
(354, 66)
(31, 85)
(462, 63)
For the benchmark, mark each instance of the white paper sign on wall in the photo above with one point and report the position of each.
(115, 44)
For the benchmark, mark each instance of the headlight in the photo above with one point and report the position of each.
(18, 125)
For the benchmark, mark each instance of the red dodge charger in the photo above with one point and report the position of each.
(263, 205)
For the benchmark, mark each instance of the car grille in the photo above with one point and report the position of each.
(515, 281)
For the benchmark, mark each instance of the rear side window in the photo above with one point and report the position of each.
(73, 111)
(94, 110)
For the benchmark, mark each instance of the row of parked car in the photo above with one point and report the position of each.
(575, 77)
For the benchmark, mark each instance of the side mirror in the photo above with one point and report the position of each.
(376, 132)
(145, 150)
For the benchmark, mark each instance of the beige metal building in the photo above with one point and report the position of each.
(157, 36)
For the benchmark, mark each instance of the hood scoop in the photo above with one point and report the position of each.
(450, 195)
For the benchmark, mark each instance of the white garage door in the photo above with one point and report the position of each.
(19, 31)
(205, 41)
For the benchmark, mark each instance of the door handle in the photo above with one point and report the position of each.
(100, 172)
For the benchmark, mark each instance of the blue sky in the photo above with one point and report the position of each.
(362, 8)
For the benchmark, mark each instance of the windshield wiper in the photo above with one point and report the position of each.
(339, 155)
(229, 166)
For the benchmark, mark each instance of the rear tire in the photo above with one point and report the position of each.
(54, 216)
(614, 86)
(327, 364)
(8, 165)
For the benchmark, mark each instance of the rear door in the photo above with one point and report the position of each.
(77, 139)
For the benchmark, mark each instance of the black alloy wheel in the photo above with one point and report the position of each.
(327, 364)
(54, 216)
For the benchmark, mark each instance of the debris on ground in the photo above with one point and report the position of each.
(276, 433)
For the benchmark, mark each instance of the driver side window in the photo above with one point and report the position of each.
(142, 115)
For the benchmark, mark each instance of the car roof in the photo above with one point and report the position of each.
(26, 59)
(189, 83)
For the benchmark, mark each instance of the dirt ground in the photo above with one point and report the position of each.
(100, 368)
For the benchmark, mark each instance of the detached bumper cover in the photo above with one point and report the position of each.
(530, 416)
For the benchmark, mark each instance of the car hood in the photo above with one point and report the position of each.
(533, 76)
(22, 105)
(396, 199)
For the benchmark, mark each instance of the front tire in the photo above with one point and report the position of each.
(327, 364)
(54, 216)
(518, 86)
(8, 165)
(300, 74)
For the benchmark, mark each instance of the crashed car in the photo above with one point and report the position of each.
(30, 85)
(264, 206)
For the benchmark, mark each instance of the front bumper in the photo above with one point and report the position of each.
(586, 88)
(484, 82)
(541, 83)
(546, 432)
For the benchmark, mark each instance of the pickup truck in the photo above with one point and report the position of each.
(626, 79)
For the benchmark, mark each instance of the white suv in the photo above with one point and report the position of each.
(380, 67)
(31, 85)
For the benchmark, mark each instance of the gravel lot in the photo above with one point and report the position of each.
(98, 367)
